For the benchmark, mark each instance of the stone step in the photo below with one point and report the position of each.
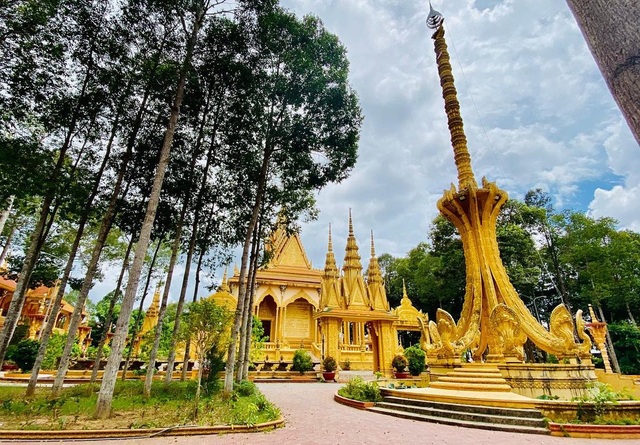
(456, 422)
(465, 386)
(476, 375)
(501, 419)
(481, 409)
(471, 379)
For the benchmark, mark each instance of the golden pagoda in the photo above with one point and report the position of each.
(494, 320)
(355, 320)
(287, 294)
(37, 308)
(150, 321)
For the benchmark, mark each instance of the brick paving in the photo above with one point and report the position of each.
(312, 417)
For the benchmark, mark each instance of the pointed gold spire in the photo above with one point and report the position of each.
(352, 257)
(373, 272)
(373, 248)
(155, 304)
(330, 267)
(330, 247)
(375, 283)
(330, 296)
(461, 154)
(404, 291)
(350, 224)
(224, 286)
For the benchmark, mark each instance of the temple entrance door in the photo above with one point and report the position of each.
(267, 313)
(266, 325)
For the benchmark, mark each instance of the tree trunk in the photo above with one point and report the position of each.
(4, 215)
(103, 408)
(48, 328)
(249, 325)
(196, 285)
(175, 248)
(245, 330)
(38, 236)
(192, 243)
(610, 28)
(109, 319)
(138, 321)
(633, 320)
(7, 244)
(242, 281)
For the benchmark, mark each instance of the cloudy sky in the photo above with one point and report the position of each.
(537, 114)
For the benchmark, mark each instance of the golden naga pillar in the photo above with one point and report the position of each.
(494, 320)
(598, 330)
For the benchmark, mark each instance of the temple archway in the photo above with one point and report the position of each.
(266, 311)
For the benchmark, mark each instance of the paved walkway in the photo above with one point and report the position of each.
(312, 417)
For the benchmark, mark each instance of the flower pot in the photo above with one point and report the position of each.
(329, 375)
(401, 374)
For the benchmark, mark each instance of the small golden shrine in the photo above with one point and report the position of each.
(355, 314)
(37, 309)
(150, 321)
(287, 294)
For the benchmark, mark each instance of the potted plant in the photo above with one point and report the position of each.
(399, 364)
(416, 359)
(329, 366)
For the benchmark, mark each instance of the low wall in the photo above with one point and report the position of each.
(565, 381)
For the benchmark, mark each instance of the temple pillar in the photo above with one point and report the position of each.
(331, 332)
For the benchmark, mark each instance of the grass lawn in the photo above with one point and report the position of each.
(169, 405)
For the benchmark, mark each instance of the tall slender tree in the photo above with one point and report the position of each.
(611, 31)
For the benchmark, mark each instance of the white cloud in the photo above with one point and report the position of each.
(537, 114)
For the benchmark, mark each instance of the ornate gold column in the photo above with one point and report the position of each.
(493, 315)
(598, 330)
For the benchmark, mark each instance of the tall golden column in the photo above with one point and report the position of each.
(494, 319)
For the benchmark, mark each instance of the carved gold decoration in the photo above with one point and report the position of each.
(508, 338)
(474, 211)
(598, 330)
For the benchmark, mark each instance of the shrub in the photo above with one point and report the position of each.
(245, 388)
(599, 396)
(358, 389)
(329, 364)
(399, 363)
(626, 341)
(302, 361)
(346, 365)
(416, 359)
(25, 354)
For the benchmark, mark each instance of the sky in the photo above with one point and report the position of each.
(536, 110)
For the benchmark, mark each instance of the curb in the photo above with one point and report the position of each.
(352, 403)
(185, 430)
(591, 431)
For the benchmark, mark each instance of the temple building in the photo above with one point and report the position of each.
(36, 311)
(326, 312)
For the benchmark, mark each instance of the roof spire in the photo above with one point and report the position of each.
(461, 154)
(330, 267)
(350, 224)
(330, 247)
(352, 257)
(224, 286)
(373, 248)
